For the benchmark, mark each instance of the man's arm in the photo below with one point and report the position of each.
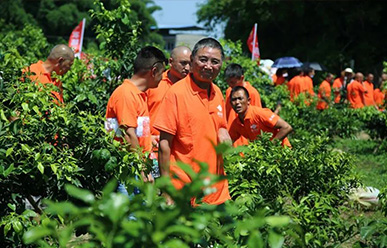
(164, 158)
(131, 137)
(165, 152)
(224, 136)
(284, 129)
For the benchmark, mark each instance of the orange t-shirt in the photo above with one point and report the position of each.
(255, 100)
(323, 90)
(194, 119)
(369, 94)
(38, 74)
(308, 85)
(295, 86)
(257, 120)
(155, 96)
(127, 106)
(278, 80)
(379, 97)
(355, 90)
(336, 86)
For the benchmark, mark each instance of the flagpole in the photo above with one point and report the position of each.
(254, 40)
(83, 30)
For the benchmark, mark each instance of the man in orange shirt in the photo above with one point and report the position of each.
(355, 91)
(369, 93)
(279, 77)
(295, 83)
(253, 120)
(127, 111)
(180, 66)
(234, 76)
(59, 61)
(324, 92)
(191, 119)
(379, 97)
(340, 84)
(308, 83)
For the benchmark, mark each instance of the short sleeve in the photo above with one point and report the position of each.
(166, 119)
(125, 109)
(267, 118)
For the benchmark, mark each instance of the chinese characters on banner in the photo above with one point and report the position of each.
(76, 38)
(252, 44)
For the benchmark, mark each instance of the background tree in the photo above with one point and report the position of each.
(58, 18)
(331, 32)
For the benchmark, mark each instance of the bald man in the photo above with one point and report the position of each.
(355, 91)
(59, 60)
(180, 66)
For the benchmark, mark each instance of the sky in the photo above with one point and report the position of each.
(180, 13)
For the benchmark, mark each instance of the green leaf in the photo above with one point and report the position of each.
(12, 206)
(54, 168)
(2, 115)
(17, 226)
(25, 106)
(41, 167)
(275, 240)
(366, 231)
(278, 221)
(92, 98)
(8, 170)
(7, 227)
(35, 234)
(81, 194)
(255, 240)
(9, 151)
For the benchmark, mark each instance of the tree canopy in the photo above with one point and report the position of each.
(330, 32)
(58, 18)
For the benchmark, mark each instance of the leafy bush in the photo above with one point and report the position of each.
(114, 220)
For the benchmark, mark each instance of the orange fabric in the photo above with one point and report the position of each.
(336, 86)
(278, 80)
(355, 90)
(128, 105)
(255, 100)
(308, 85)
(324, 90)
(379, 97)
(294, 86)
(369, 94)
(39, 75)
(257, 120)
(194, 119)
(155, 96)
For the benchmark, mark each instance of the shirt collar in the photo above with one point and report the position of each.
(195, 89)
(166, 78)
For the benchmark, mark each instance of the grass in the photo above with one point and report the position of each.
(370, 160)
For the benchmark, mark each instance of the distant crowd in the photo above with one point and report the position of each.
(349, 88)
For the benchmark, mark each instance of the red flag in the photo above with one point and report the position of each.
(76, 38)
(252, 43)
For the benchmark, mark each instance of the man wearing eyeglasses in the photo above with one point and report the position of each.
(127, 109)
(191, 119)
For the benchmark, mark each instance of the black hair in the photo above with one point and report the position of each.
(207, 42)
(148, 57)
(233, 71)
(238, 88)
(307, 70)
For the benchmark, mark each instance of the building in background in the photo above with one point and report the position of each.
(180, 35)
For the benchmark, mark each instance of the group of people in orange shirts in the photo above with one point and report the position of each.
(179, 114)
(348, 88)
(182, 114)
